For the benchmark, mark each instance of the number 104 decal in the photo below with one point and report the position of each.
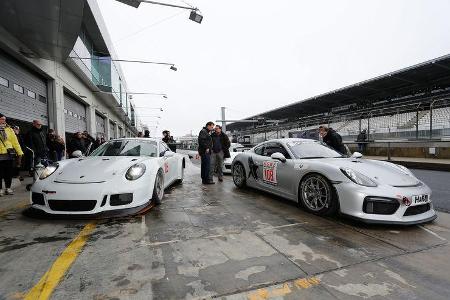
(270, 172)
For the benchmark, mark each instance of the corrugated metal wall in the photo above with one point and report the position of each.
(100, 125)
(74, 114)
(113, 130)
(23, 93)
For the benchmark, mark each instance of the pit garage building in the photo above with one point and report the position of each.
(57, 65)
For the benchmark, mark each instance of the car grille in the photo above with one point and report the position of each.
(37, 198)
(72, 205)
(417, 210)
(380, 206)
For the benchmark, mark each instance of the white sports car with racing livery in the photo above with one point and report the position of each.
(325, 182)
(121, 177)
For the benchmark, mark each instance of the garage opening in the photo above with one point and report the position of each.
(23, 94)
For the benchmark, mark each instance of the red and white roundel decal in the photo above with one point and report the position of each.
(166, 167)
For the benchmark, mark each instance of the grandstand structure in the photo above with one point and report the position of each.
(409, 104)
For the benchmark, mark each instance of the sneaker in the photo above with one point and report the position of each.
(209, 182)
(2, 192)
(220, 179)
(9, 192)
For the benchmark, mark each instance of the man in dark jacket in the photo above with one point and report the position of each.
(332, 139)
(220, 150)
(204, 150)
(76, 144)
(361, 140)
(37, 141)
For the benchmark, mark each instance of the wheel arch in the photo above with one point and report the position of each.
(335, 193)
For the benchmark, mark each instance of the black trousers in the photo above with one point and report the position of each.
(205, 167)
(6, 172)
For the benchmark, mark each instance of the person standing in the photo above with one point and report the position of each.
(10, 152)
(169, 140)
(37, 141)
(76, 144)
(51, 140)
(147, 133)
(361, 140)
(220, 150)
(204, 150)
(332, 139)
(60, 147)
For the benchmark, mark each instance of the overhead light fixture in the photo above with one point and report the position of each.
(196, 17)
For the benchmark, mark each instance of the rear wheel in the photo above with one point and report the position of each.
(317, 195)
(158, 190)
(239, 177)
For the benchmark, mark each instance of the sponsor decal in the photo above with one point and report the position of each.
(270, 172)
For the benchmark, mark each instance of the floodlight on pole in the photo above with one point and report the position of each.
(194, 16)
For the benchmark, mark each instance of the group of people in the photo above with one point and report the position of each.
(213, 148)
(15, 149)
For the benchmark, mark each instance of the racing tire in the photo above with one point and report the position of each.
(239, 175)
(317, 195)
(158, 189)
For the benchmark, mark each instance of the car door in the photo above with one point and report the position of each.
(277, 176)
(169, 164)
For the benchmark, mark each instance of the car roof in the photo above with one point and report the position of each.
(287, 140)
(138, 139)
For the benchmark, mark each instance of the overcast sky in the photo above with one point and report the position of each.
(255, 55)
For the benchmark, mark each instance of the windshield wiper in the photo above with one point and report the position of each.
(313, 157)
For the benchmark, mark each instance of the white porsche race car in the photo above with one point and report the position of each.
(324, 182)
(235, 149)
(122, 176)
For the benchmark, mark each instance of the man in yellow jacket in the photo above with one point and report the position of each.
(10, 151)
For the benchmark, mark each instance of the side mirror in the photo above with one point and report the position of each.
(278, 156)
(357, 155)
(169, 154)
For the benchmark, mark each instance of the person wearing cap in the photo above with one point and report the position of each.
(10, 151)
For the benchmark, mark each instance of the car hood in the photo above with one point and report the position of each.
(95, 169)
(380, 171)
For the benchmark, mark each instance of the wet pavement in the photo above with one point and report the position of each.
(220, 242)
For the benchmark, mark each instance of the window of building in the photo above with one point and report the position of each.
(65, 111)
(31, 94)
(18, 88)
(4, 82)
(42, 99)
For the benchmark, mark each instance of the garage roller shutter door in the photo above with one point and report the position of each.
(100, 125)
(74, 115)
(23, 93)
(112, 127)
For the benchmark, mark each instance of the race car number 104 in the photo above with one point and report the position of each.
(270, 172)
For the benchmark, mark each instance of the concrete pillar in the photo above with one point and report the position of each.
(58, 122)
(90, 119)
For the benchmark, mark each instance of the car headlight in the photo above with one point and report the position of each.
(135, 172)
(358, 178)
(49, 170)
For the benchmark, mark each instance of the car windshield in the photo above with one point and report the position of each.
(312, 149)
(127, 148)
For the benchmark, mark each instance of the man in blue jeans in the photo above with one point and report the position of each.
(204, 150)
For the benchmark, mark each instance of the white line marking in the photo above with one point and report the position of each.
(432, 232)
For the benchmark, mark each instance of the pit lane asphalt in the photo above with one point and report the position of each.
(439, 182)
(218, 241)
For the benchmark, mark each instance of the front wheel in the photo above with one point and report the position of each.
(158, 190)
(317, 195)
(239, 177)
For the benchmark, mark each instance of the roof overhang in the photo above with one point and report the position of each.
(49, 28)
